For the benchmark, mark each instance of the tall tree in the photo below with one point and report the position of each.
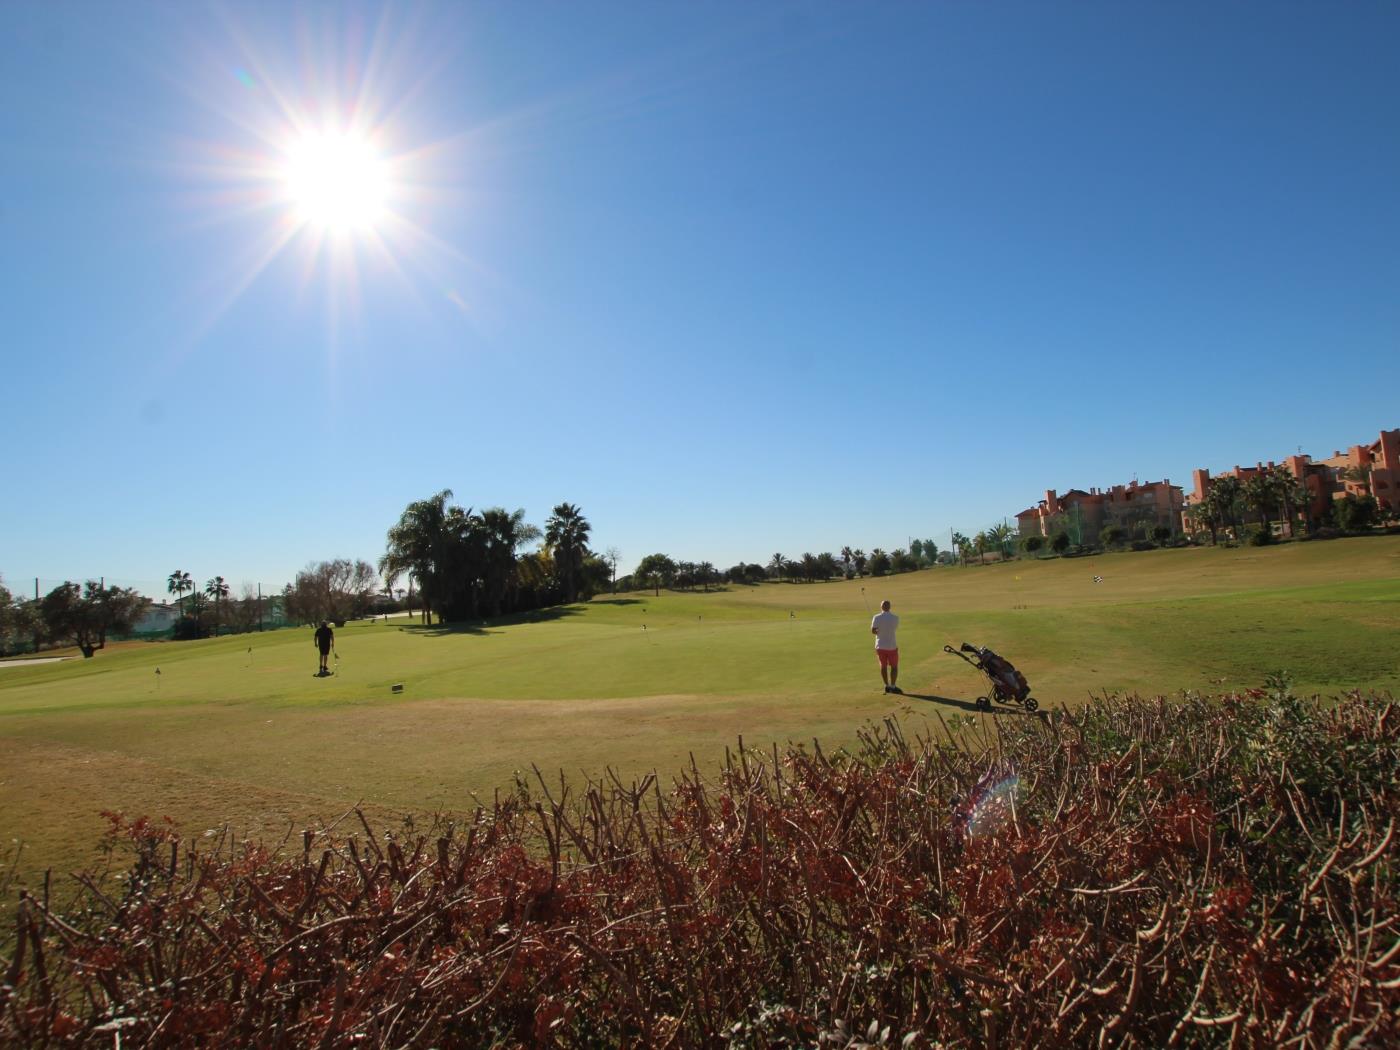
(566, 534)
(1258, 492)
(962, 546)
(178, 583)
(216, 589)
(848, 560)
(418, 544)
(777, 565)
(1224, 494)
(503, 533)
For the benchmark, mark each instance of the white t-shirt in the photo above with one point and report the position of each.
(884, 624)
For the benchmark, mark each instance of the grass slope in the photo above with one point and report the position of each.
(255, 739)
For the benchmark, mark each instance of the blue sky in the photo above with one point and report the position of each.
(734, 278)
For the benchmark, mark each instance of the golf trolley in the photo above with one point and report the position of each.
(1008, 684)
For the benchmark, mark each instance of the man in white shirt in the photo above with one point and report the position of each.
(883, 626)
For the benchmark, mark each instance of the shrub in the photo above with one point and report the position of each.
(1136, 869)
(1031, 544)
(1113, 535)
(1059, 543)
(1261, 536)
(1355, 514)
(187, 629)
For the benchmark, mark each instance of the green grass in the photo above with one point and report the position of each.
(258, 742)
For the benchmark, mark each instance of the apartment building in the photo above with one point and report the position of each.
(1363, 469)
(1083, 515)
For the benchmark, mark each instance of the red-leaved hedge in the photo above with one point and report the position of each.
(1204, 871)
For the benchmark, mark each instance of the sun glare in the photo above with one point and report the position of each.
(336, 182)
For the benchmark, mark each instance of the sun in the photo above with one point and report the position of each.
(336, 182)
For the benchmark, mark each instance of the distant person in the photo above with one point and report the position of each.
(883, 625)
(325, 641)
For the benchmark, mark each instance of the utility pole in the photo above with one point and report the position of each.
(36, 616)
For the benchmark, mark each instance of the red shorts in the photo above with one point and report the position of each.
(888, 657)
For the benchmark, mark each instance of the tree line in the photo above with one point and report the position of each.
(660, 570)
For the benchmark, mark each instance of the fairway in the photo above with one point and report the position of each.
(640, 682)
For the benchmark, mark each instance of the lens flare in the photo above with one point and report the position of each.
(991, 805)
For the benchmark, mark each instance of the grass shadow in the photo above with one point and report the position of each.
(617, 601)
(483, 626)
(969, 705)
(445, 628)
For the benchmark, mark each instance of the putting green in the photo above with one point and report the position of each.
(639, 682)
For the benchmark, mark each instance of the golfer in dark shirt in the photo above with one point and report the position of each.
(325, 641)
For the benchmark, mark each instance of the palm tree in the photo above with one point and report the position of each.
(848, 557)
(418, 544)
(961, 544)
(981, 543)
(1258, 493)
(566, 535)
(1284, 488)
(178, 583)
(999, 536)
(858, 556)
(503, 533)
(218, 590)
(776, 565)
(706, 572)
(1224, 494)
(1301, 496)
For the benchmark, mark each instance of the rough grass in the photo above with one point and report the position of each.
(255, 740)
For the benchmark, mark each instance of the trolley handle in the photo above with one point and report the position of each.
(963, 655)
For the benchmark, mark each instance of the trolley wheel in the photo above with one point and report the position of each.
(1031, 703)
(984, 703)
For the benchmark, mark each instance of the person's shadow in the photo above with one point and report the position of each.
(969, 705)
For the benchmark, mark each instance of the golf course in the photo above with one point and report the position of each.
(238, 731)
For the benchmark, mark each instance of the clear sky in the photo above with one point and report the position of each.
(735, 278)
